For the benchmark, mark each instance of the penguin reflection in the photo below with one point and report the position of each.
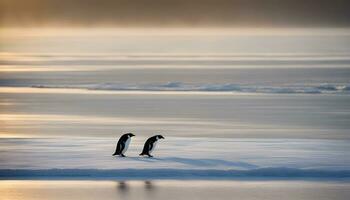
(123, 187)
(149, 186)
(150, 190)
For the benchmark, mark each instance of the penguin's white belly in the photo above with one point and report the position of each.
(153, 147)
(126, 145)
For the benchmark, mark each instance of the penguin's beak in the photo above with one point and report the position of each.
(161, 137)
(132, 135)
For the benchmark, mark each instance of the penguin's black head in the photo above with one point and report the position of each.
(160, 137)
(130, 134)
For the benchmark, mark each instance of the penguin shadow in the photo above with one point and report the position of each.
(139, 158)
(198, 162)
(210, 162)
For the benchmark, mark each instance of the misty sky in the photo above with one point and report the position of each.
(170, 13)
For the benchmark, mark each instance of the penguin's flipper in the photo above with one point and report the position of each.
(144, 150)
(116, 152)
(150, 147)
(119, 148)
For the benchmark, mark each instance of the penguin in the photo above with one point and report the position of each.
(150, 144)
(123, 144)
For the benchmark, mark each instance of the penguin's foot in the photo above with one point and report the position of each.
(150, 156)
(122, 155)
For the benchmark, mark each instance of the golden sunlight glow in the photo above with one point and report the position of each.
(15, 32)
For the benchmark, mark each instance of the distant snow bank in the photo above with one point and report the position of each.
(323, 88)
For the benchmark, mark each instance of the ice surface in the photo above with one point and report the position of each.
(175, 157)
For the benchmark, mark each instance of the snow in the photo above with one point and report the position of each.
(175, 157)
